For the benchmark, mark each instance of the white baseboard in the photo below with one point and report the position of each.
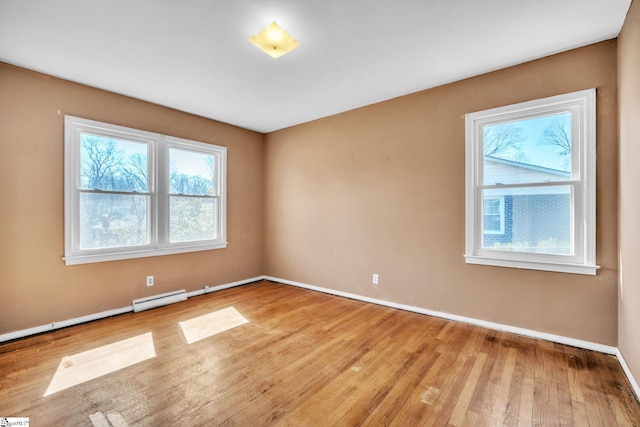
(627, 371)
(210, 289)
(470, 320)
(96, 316)
(63, 324)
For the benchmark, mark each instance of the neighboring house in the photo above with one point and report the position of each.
(536, 218)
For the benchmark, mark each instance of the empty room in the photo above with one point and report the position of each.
(320, 213)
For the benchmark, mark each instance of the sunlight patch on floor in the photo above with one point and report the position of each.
(91, 364)
(211, 324)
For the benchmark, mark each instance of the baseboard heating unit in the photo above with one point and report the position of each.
(159, 300)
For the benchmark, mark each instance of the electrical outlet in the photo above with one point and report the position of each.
(149, 280)
(376, 279)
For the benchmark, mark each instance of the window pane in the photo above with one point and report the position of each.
(536, 220)
(192, 218)
(113, 220)
(492, 206)
(526, 151)
(492, 223)
(113, 165)
(191, 173)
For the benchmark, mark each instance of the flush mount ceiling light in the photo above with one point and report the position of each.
(274, 41)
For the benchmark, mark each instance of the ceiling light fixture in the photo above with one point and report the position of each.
(274, 41)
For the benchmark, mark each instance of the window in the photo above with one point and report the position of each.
(493, 215)
(530, 185)
(130, 193)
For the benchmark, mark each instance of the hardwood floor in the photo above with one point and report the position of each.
(307, 359)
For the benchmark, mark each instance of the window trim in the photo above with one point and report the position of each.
(582, 260)
(158, 221)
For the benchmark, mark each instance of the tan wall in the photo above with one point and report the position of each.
(629, 107)
(36, 287)
(381, 190)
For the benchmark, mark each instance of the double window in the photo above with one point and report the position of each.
(530, 185)
(130, 193)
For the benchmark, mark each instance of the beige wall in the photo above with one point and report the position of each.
(629, 107)
(381, 190)
(36, 287)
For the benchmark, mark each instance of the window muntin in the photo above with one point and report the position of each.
(538, 158)
(130, 193)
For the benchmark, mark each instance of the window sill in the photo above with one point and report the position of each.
(534, 265)
(115, 256)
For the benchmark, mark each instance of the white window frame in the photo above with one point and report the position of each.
(500, 199)
(158, 217)
(582, 105)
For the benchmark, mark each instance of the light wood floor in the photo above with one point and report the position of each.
(309, 359)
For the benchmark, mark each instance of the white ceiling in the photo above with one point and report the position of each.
(193, 55)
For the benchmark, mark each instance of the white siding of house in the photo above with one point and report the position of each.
(506, 172)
